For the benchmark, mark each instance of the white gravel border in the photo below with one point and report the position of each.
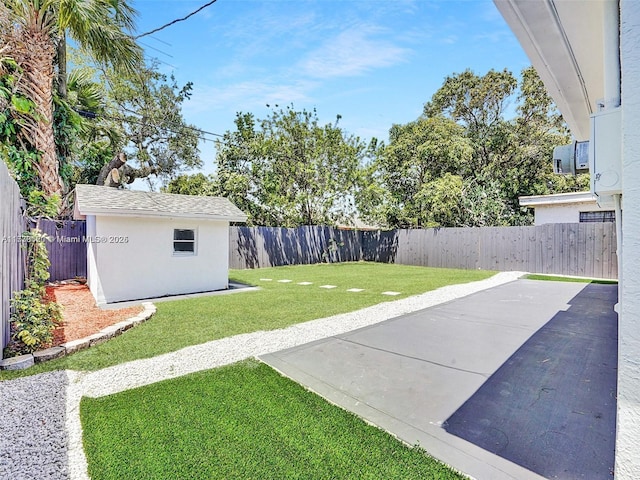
(25, 395)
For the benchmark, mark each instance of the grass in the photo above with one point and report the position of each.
(182, 323)
(553, 278)
(243, 421)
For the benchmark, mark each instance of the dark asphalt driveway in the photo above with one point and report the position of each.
(518, 381)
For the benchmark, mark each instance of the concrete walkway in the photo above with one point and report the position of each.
(515, 382)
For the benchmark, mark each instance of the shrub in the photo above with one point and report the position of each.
(33, 317)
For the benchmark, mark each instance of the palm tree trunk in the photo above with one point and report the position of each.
(62, 65)
(37, 57)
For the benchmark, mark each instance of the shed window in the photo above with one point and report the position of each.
(599, 216)
(184, 241)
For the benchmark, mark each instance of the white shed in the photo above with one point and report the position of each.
(147, 244)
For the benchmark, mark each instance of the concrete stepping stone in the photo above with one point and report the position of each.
(284, 281)
(305, 283)
(391, 293)
(328, 286)
(355, 290)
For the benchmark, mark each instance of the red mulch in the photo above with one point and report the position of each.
(81, 316)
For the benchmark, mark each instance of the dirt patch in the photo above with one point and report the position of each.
(81, 316)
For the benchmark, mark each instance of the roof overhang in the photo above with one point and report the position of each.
(81, 215)
(557, 199)
(564, 40)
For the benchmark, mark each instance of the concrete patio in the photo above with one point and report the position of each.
(518, 381)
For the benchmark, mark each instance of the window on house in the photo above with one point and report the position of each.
(600, 216)
(184, 241)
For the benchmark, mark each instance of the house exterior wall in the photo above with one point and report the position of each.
(132, 258)
(628, 427)
(92, 267)
(563, 213)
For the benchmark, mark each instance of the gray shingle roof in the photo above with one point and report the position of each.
(96, 200)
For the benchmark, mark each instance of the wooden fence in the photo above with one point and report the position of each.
(12, 224)
(583, 249)
(255, 247)
(67, 248)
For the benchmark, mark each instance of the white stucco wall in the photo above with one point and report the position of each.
(628, 428)
(564, 213)
(134, 258)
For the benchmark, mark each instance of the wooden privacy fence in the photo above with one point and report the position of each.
(256, 247)
(12, 225)
(583, 249)
(67, 248)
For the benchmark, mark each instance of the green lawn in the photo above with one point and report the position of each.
(181, 323)
(554, 278)
(243, 421)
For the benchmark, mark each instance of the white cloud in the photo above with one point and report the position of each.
(245, 96)
(352, 53)
(449, 39)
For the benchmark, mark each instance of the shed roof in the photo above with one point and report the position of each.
(99, 200)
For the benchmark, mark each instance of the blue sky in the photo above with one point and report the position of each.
(373, 62)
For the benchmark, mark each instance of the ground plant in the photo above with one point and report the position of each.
(243, 421)
(33, 318)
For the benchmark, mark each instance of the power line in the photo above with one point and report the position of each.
(176, 20)
(162, 41)
(93, 115)
(156, 49)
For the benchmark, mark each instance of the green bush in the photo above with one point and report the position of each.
(33, 318)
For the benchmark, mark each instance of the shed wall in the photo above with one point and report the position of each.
(132, 258)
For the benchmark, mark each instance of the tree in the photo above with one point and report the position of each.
(196, 184)
(142, 118)
(479, 185)
(479, 104)
(295, 172)
(285, 170)
(404, 171)
(32, 30)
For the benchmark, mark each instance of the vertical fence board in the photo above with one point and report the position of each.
(12, 225)
(67, 248)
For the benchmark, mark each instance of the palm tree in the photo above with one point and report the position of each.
(34, 29)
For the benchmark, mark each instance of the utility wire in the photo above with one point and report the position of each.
(93, 115)
(156, 49)
(176, 20)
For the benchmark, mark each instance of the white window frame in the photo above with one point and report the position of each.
(177, 253)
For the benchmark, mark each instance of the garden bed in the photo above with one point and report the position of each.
(81, 317)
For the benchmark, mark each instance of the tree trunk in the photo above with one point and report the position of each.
(35, 56)
(106, 176)
(62, 65)
(117, 172)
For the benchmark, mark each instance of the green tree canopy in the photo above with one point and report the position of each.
(287, 169)
(32, 31)
(481, 143)
(404, 171)
(135, 117)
